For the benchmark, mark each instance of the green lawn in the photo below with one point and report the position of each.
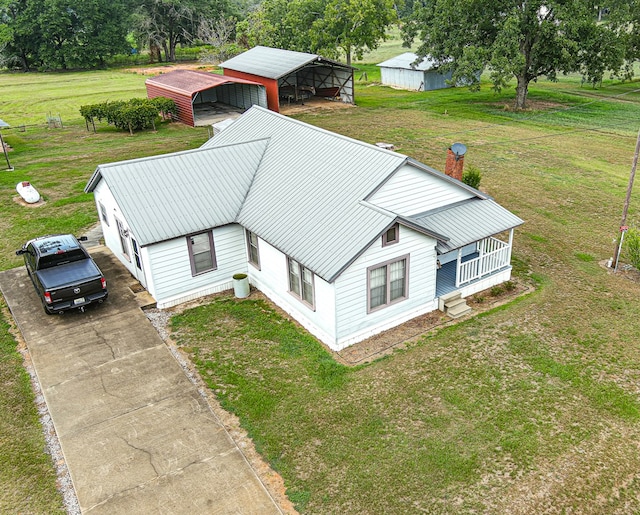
(532, 407)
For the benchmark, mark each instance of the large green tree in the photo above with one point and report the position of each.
(525, 39)
(62, 33)
(352, 27)
(334, 28)
(20, 32)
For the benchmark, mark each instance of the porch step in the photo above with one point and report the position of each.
(453, 305)
(459, 310)
(449, 297)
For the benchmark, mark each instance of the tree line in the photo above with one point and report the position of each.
(64, 34)
(521, 39)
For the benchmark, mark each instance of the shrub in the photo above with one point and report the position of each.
(632, 246)
(471, 177)
(131, 115)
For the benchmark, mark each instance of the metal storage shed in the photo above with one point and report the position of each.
(408, 71)
(203, 98)
(291, 76)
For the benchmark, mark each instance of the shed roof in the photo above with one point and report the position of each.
(189, 82)
(407, 61)
(467, 221)
(4, 124)
(274, 63)
(169, 196)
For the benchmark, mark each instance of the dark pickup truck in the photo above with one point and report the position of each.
(63, 273)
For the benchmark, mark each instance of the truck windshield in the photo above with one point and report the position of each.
(60, 259)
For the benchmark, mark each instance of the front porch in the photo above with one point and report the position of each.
(491, 257)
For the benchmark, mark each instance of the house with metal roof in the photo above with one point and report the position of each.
(408, 71)
(348, 238)
(292, 76)
(203, 98)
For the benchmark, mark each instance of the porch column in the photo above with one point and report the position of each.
(458, 267)
(510, 247)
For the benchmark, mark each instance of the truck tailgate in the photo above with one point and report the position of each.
(73, 273)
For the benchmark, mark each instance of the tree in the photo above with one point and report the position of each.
(525, 39)
(352, 26)
(21, 32)
(281, 24)
(167, 23)
(220, 35)
(63, 33)
(329, 27)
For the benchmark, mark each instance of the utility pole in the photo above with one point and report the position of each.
(625, 209)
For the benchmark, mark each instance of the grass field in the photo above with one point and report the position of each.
(533, 407)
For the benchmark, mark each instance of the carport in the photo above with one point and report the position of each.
(205, 98)
(290, 76)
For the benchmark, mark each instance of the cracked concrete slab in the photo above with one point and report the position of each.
(136, 434)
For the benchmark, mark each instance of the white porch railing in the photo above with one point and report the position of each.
(494, 255)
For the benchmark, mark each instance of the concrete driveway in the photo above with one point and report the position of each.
(136, 434)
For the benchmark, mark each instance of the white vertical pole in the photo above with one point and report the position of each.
(458, 267)
(510, 247)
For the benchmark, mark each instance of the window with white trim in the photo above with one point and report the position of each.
(301, 282)
(201, 253)
(387, 283)
(252, 249)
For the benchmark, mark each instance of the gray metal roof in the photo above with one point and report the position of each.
(465, 222)
(273, 63)
(407, 61)
(4, 124)
(169, 196)
(306, 197)
(300, 188)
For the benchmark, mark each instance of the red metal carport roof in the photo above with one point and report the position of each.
(189, 82)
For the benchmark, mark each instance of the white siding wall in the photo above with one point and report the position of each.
(401, 78)
(353, 322)
(172, 279)
(272, 279)
(411, 191)
(103, 196)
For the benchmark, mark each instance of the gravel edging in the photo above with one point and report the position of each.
(64, 482)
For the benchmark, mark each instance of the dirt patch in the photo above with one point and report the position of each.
(157, 70)
(313, 105)
(19, 200)
(404, 335)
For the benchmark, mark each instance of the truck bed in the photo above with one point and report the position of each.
(75, 272)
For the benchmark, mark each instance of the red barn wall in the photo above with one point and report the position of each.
(271, 86)
(185, 108)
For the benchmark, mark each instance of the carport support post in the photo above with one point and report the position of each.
(6, 154)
